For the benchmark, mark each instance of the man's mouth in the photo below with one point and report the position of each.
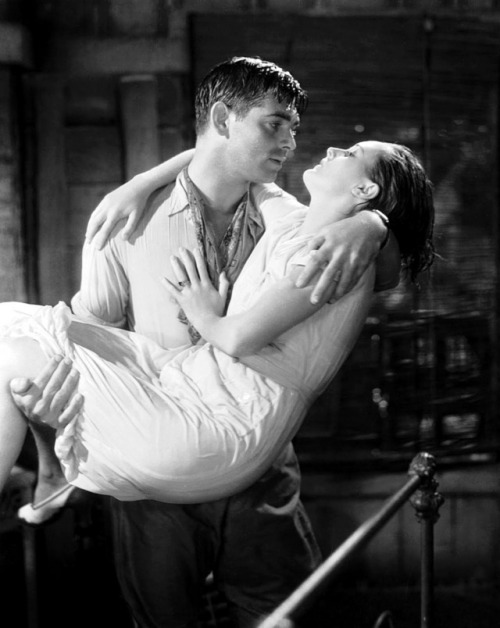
(278, 161)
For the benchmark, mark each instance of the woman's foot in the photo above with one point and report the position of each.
(48, 508)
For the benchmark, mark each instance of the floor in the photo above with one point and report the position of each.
(80, 560)
(477, 607)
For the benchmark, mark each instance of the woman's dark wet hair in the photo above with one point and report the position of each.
(406, 197)
(242, 83)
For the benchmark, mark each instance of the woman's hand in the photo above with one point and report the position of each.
(193, 290)
(128, 201)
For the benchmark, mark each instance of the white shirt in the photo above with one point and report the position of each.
(122, 284)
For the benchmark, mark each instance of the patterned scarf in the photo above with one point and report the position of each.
(230, 255)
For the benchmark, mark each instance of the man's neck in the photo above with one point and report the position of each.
(220, 191)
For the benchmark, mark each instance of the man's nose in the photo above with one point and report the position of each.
(288, 141)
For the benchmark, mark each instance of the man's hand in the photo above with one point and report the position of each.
(50, 398)
(342, 252)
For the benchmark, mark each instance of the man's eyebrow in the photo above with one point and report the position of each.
(285, 115)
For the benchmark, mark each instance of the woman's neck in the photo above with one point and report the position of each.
(324, 212)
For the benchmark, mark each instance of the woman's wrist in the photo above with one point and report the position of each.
(146, 181)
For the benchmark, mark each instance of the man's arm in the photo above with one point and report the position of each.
(341, 254)
(52, 397)
(104, 288)
(276, 311)
(388, 265)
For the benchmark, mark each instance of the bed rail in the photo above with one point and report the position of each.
(421, 491)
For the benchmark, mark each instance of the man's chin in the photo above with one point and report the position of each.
(269, 177)
(263, 175)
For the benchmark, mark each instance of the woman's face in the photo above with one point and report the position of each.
(342, 170)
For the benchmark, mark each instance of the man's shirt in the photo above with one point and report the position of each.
(122, 284)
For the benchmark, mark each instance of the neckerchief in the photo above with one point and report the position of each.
(230, 255)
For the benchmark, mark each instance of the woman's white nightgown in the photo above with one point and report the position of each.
(196, 424)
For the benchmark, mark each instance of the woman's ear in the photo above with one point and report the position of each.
(366, 191)
(219, 116)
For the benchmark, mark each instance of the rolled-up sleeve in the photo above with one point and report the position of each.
(104, 288)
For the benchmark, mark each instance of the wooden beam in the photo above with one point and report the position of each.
(117, 55)
(54, 271)
(12, 257)
(15, 45)
(139, 109)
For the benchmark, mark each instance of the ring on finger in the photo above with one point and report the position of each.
(184, 283)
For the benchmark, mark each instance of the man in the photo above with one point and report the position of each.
(258, 544)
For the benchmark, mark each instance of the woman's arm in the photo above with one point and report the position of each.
(277, 310)
(128, 201)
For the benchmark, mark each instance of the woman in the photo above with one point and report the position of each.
(220, 411)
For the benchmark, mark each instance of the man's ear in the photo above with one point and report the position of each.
(366, 191)
(219, 116)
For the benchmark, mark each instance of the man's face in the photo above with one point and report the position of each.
(260, 142)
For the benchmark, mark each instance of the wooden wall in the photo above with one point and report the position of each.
(12, 244)
(93, 133)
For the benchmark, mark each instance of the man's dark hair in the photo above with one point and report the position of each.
(242, 83)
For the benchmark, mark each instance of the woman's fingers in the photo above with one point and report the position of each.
(189, 265)
(201, 266)
(180, 272)
(223, 286)
(189, 268)
(173, 289)
(97, 218)
(132, 222)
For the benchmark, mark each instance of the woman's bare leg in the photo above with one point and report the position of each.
(50, 477)
(23, 357)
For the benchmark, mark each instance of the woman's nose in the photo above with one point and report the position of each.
(335, 152)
